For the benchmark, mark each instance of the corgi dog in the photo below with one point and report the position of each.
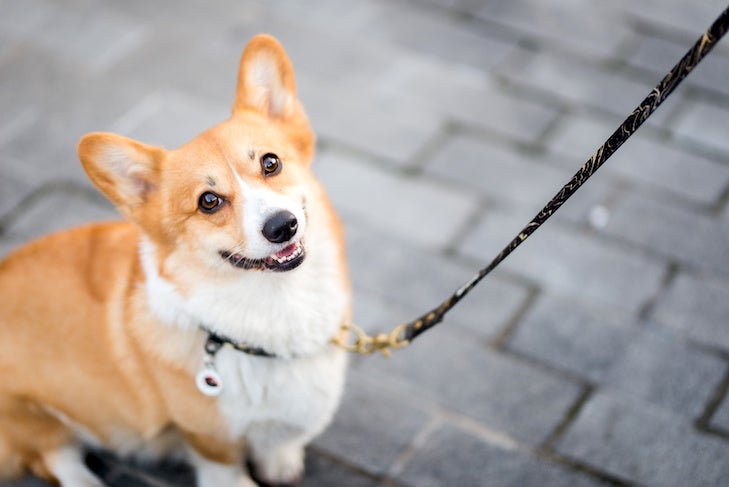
(202, 325)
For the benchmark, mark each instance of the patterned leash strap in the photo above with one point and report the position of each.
(402, 335)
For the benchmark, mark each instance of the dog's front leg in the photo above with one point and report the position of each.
(217, 464)
(277, 452)
(68, 467)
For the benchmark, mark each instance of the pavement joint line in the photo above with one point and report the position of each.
(682, 106)
(569, 418)
(534, 149)
(710, 349)
(501, 340)
(625, 49)
(20, 124)
(142, 111)
(645, 73)
(539, 146)
(425, 153)
(694, 96)
(722, 204)
(542, 95)
(712, 153)
(420, 438)
(441, 415)
(720, 393)
(120, 50)
(550, 369)
(476, 216)
(332, 144)
(582, 467)
(648, 307)
(539, 96)
(500, 440)
(36, 195)
(656, 28)
(468, 18)
(504, 441)
(710, 210)
(351, 467)
(529, 38)
(649, 253)
(715, 432)
(486, 434)
(503, 273)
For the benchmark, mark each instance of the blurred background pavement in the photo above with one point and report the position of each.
(597, 355)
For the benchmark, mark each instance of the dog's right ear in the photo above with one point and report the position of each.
(125, 170)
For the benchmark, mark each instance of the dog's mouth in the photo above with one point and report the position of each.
(286, 259)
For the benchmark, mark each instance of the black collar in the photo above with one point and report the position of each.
(216, 341)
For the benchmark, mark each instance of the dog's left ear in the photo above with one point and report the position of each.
(266, 79)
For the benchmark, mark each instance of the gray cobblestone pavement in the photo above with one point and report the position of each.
(597, 355)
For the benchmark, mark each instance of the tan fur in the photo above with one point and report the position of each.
(78, 342)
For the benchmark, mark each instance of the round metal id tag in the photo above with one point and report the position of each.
(209, 381)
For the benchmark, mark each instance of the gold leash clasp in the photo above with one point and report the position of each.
(365, 344)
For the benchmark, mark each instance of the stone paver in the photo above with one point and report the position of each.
(480, 463)
(597, 354)
(465, 97)
(506, 395)
(15, 184)
(662, 369)
(691, 18)
(680, 233)
(637, 441)
(500, 173)
(697, 307)
(95, 39)
(659, 55)
(58, 210)
(646, 160)
(436, 36)
(721, 417)
(165, 119)
(571, 262)
(598, 29)
(580, 341)
(401, 205)
(703, 123)
(586, 85)
(383, 419)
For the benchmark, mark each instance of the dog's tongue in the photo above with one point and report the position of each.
(287, 251)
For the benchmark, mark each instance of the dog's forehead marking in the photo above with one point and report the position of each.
(210, 181)
(243, 185)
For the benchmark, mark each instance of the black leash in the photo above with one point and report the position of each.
(406, 333)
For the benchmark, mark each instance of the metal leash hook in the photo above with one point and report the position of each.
(365, 344)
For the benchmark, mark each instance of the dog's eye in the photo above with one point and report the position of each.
(270, 164)
(209, 202)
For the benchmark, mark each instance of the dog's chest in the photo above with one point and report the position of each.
(301, 393)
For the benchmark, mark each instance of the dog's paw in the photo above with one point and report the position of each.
(245, 481)
(279, 467)
(214, 474)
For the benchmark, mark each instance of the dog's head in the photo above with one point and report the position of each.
(235, 196)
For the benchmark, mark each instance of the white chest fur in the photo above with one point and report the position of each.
(301, 393)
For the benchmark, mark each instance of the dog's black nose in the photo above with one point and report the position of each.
(280, 227)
